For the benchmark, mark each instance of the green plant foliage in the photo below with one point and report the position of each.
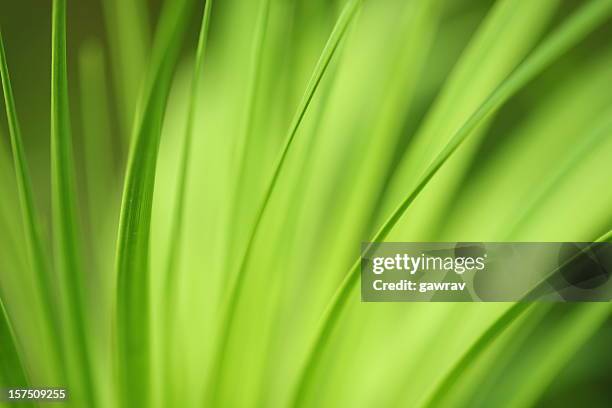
(189, 234)
(66, 241)
(36, 252)
(12, 372)
(134, 228)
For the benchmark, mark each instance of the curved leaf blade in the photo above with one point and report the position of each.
(133, 295)
(487, 337)
(570, 33)
(64, 213)
(236, 285)
(178, 220)
(30, 218)
(12, 371)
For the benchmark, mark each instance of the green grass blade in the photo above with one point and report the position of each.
(134, 229)
(97, 144)
(129, 39)
(65, 218)
(12, 371)
(235, 291)
(579, 25)
(278, 282)
(178, 221)
(552, 349)
(10, 253)
(493, 365)
(488, 337)
(483, 65)
(607, 237)
(590, 142)
(493, 332)
(241, 147)
(254, 84)
(39, 260)
(102, 206)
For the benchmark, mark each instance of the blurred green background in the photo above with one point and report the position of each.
(405, 78)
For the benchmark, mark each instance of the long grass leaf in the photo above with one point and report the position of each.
(570, 33)
(97, 144)
(553, 349)
(607, 237)
(39, 260)
(94, 99)
(178, 219)
(254, 85)
(512, 28)
(278, 282)
(65, 218)
(12, 371)
(491, 370)
(489, 335)
(181, 193)
(134, 226)
(10, 250)
(129, 39)
(591, 141)
(235, 290)
(102, 209)
(435, 397)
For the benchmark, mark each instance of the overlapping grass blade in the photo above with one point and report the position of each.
(534, 148)
(278, 282)
(241, 145)
(399, 79)
(403, 69)
(10, 253)
(586, 146)
(134, 226)
(489, 335)
(483, 379)
(64, 212)
(36, 254)
(607, 237)
(102, 198)
(97, 145)
(235, 290)
(178, 219)
(254, 85)
(574, 30)
(553, 346)
(129, 39)
(481, 343)
(483, 65)
(181, 193)
(592, 140)
(12, 371)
